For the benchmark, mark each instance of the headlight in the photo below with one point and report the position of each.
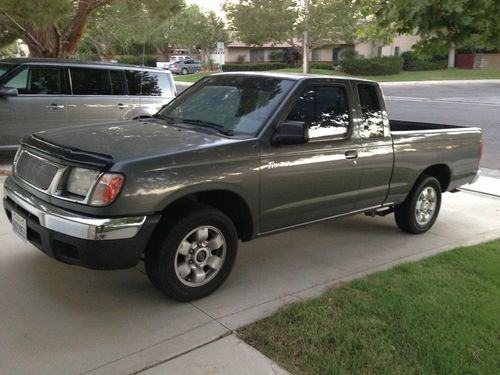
(80, 181)
(107, 189)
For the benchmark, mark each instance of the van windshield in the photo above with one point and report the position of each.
(235, 104)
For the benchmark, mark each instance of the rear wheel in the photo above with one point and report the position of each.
(420, 210)
(195, 256)
(184, 71)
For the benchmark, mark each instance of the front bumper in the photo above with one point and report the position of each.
(98, 243)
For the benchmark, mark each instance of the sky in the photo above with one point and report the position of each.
(214, 5)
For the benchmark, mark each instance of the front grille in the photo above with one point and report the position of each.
(38, 172)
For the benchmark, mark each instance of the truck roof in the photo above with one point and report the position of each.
(292, 76)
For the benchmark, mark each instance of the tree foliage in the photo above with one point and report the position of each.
(54, 28)
(329, 22)
(190, 28)
(443, 24)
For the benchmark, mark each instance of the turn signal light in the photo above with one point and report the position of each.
(107, 189)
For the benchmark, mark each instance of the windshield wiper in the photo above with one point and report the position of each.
(208, 124)
(168, 119)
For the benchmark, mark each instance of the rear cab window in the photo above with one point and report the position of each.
(372, 115)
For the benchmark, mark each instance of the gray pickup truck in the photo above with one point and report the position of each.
(235, 157)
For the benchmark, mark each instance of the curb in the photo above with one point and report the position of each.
(441, 82)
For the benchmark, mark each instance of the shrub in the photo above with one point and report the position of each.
(278, 55)
(374, 66)
(241, 59)
(252, 67)
(322, 66)
(413, 62)
(137, 60)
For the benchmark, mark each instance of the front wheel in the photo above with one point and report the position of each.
(184, 71)
(195, 256)
(420, 210)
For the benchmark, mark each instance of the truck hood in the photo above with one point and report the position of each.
(105, 144)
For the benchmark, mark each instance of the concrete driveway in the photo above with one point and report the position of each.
(60, 319)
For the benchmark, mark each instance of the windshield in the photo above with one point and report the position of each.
(4, 67)
(236, 104)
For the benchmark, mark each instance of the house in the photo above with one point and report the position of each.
(237, 51)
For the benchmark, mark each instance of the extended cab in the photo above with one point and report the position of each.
(234, 157)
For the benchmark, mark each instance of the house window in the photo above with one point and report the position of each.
(379, 51)
(396, 51)
(316, 55)
(256, 55)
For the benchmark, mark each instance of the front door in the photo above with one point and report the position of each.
(319, 179)
(40, 104)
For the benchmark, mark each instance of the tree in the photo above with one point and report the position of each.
(328, 22)
(54, 28)
(443, 25)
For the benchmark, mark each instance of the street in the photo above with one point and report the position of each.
(467, 104)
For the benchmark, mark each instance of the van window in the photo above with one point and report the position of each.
(118, 83)
(38, 80)
(148, 83)
(87, 81)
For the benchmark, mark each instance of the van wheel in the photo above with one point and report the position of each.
(195, 256)
(184, 71)
(420, 210)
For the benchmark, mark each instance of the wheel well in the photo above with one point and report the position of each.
(228, 202)
(440, 172)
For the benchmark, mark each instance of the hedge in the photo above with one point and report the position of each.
(374, 66)
(253, 67)
(322, 66)
(413, 62)
(137, 60)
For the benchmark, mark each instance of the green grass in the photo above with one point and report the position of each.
(437, 316)
(430, 75)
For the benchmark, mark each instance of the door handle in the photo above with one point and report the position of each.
(55, 107)
(351, 154)
(121, 106)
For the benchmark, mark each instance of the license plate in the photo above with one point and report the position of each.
(19, 225)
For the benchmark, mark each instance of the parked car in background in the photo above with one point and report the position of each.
(41, 94)
(185, 66)
(175, 58)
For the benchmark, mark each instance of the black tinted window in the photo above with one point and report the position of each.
(324, 109)
(118, 83)
(90, 81)
(37, 80)
(373, 122)
(148, 83)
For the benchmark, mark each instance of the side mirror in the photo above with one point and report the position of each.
(291, 133)
(8, 91)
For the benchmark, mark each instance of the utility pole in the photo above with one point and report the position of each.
(305, 40)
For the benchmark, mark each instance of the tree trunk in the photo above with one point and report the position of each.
(451, 57)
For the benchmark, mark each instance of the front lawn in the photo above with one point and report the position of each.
(430, 75)
(437, 316)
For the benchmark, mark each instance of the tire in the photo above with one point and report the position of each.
(184, 71)
(420, 210)
(194, 257)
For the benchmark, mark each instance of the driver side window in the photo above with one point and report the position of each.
(37, 80)
(325, 111)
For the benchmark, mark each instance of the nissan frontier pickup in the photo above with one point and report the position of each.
(235, 157)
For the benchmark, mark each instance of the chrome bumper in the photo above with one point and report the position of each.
(71, 224)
